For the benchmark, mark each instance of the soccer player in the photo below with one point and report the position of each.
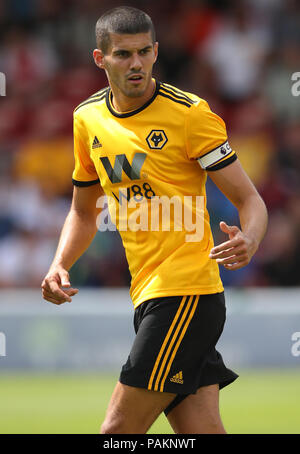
(139, 140)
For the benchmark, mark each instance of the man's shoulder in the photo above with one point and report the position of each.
(91, 101)
(180, 96)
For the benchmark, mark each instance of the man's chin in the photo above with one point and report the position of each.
(135, 92)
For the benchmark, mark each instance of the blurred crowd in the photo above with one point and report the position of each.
(238, 55)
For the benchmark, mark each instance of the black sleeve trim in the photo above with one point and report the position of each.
(85, 183)
(222, 164)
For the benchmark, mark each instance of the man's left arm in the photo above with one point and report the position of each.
(235, 184)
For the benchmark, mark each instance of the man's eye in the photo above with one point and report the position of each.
(122, 54)
(144, 51)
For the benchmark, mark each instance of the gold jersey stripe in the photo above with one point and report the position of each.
(177, 93)
(92, 98)
(98, 93)
(165, 342)
(172, 97)
(95, 95)
(90, 101)
(173, 340)
(178, 343)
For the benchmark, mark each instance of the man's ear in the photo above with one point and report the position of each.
(99, 58)
(155, 50)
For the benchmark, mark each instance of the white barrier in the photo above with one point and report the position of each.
(95, 331)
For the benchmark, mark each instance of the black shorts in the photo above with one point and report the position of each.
(174, 348)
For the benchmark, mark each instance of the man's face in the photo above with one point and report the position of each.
(128, 62)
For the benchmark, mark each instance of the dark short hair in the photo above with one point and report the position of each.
(122, 20)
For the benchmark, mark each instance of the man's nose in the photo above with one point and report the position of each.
(135, 63)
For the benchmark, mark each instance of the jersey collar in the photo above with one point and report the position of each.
(132, 112)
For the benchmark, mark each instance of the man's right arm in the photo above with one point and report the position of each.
(77, 234)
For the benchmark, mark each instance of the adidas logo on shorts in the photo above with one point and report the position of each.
(178, 378)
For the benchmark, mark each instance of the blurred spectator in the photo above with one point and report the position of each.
(280, 254)
(27, 61)
(24, 258)
(236, 51)
(251, 135)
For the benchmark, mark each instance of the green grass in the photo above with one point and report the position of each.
(258, 402)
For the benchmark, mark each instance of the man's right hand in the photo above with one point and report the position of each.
(52, 285)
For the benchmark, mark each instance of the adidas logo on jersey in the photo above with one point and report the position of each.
(177, 378)
(96, 143)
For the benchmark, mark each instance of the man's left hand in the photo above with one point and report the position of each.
(236, 252)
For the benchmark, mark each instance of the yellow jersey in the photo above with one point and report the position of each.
(155, 160)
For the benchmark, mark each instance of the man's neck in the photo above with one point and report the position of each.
(122, 103)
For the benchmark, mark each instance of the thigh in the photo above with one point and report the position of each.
(198, 413)
(133, 410)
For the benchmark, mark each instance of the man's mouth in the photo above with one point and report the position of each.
(135, 78)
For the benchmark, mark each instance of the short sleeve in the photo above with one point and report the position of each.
(84, 173)
(207, 140)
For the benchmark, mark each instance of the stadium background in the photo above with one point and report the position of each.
(240, 57)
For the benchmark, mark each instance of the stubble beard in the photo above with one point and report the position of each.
(135, 92)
